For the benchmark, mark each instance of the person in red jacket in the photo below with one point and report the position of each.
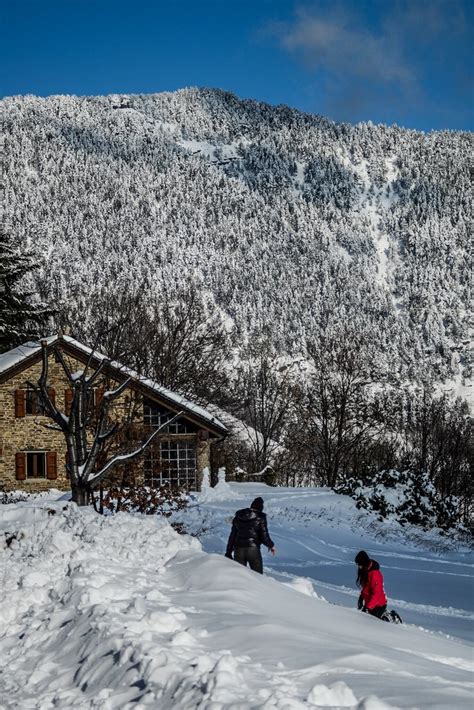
(372, 597)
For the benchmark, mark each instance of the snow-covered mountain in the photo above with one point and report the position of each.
(279, 216)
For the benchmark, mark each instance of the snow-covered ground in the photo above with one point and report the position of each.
(117, 612)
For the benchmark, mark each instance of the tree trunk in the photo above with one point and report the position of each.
(80, 495)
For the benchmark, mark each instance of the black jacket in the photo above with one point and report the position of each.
(249, 529)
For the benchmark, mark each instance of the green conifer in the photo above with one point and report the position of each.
(21, 318)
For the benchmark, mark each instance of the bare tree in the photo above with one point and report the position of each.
(337, 416)
(264, 399)
(172, 339)
(87, 429)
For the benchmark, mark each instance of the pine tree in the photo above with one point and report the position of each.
(20, 318)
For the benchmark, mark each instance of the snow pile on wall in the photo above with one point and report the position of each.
(221, 491)
(79, 601)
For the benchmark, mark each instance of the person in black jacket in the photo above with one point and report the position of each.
(249, 531)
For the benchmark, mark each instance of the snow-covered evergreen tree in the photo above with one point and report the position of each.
(20, 316)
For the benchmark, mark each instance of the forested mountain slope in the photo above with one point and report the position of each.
(285, 219)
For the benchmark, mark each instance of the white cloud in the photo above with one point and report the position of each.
(335, 43)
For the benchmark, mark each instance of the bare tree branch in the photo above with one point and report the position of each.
(107, 434)
(113, 394)
(103, 363)
(121, 458)
(64, 365)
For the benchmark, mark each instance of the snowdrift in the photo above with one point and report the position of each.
(115, 612)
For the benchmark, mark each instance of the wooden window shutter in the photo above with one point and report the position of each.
(51, 465)
(68, 397)
(20, 465)
(20, 409)
(52, 395)
(99, 395)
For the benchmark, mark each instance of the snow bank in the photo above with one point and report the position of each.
(81, 604)
(304, 586)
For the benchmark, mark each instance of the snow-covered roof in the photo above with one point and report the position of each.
(245, 433)
(15, 357)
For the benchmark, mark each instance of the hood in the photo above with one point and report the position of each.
(374, 566)
(246, 514)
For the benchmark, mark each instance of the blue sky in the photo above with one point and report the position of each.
(408, 62)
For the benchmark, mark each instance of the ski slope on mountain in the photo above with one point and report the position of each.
(122, 612)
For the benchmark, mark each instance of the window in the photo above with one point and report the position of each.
(36, 464)
(28, 403)
(154, 415)
(33, 403)
(92, 401)
(171, 463)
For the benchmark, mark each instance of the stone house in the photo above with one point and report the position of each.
(33, 456)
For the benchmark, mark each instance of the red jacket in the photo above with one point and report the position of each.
(373, 593)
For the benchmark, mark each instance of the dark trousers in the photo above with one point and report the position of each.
(249, 556)
(378, 611)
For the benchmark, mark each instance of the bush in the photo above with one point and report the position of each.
(13, 497)
(408, 496)
(139, 498)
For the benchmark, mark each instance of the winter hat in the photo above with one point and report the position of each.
(257, 504)
(362, 559)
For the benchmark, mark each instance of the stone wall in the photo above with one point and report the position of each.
(30, 432)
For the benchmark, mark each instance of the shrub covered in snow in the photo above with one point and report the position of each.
(410, 497)
(7, 497)
(143, 499)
